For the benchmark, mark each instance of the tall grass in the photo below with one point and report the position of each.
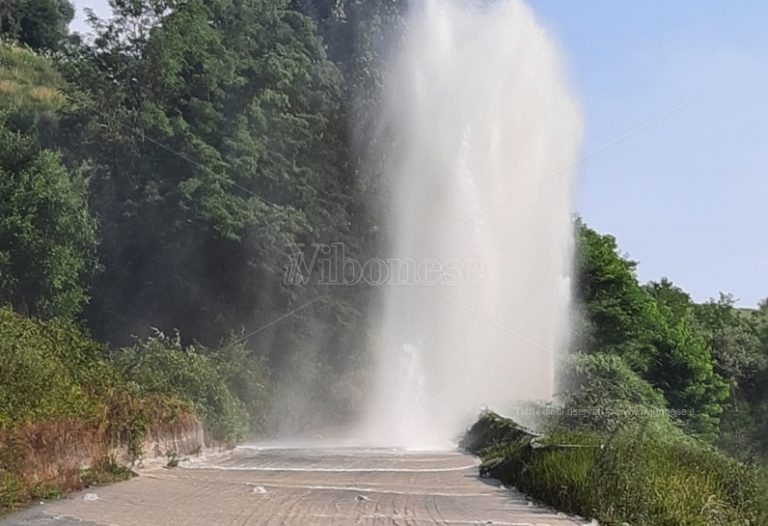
(635, 476)
(29, 86)
(65, 410)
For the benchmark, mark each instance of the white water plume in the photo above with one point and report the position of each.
(481, 131)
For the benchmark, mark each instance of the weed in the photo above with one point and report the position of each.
(637, 477)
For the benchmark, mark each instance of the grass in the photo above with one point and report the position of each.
(637, 477)
(63, 405)
(27, 79)
(105, 471)
(45, 460)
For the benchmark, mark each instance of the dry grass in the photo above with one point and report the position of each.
(66, 416)
(27, 79)
(48, 459)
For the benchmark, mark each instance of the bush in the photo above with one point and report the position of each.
(247, 379)
(63, 404)
(225, 385)
(47, 371)
(602, 394)
(637, 476)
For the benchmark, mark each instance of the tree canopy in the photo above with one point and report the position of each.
(156, 177)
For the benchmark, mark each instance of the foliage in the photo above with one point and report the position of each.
(47, 234)
(247, 378)
(740, 356)
(208, 139)
(359, 37)
(162, 173)
(618, 315)
(734, 340)
(47, 371)
(225, 385)
(601, 394)
(636, 477)
(61, 403)
(655, 336)
(40, 24)
(213, 135)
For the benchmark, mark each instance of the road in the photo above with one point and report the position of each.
(301, 487)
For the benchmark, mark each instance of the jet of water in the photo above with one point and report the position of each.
(481, 132)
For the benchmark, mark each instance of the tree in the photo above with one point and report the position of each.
(47, 234)
(734, 340)
(40, 24)
(651, 328)
(213, 137)
(213, 133)
(619, 316)
(675, 300)
(739, 357)
(608, 396)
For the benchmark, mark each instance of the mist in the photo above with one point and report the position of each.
(480, 132)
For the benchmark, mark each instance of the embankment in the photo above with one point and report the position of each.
(46, 460)
(68, 418)
(637, 477)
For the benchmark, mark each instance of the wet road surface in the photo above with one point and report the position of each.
(301, 487)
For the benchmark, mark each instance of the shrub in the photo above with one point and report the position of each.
(63, 404)
(47, 371)
(225, 385)
(602, 394)
(635, 476)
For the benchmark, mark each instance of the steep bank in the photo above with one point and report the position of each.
(69, 418)
(49, 460)
(627, 477)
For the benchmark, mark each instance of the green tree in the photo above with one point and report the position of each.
(675, 300)
(47, 234)
(213, 133)
(734, 339)
(651, 328)
(214, 138)
(739, 357)
(40, 24)
(619, 317)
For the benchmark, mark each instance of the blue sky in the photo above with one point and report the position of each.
(686, 196)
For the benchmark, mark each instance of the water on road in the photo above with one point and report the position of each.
(302, 487)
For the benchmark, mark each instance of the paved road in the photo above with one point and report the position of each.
(301, 487)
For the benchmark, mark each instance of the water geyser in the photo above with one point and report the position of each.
(481, 133)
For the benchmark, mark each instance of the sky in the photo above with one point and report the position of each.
(675, 102)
